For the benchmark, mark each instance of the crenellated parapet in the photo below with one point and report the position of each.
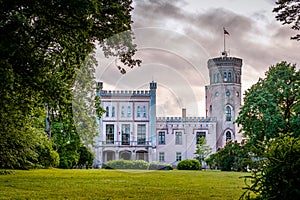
(224, 61)
(125, 93)
(185, 119)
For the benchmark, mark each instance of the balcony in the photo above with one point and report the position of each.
(138, 143)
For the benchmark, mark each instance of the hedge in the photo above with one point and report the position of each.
(126, 164)
(158, 166)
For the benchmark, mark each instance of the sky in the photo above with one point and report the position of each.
(175, 39)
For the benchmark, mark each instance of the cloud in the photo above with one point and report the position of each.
(175, 45)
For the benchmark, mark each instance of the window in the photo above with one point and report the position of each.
(178, 137)
(109, 133)
(161, 137)
(122, 111)
(228, 113)
(113, 111)
(128, 111)
(138, 111)
(140, 155)
(225, 76)
(200, 134)
(141, 134)
(228, 136)
(229, 76)
(125, 134)
(161, 156)
(107, 111)
(215, 78)
(144, 112)
(178, 156)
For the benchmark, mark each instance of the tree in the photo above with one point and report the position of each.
(43, 44)
(272, 105)
(202, 150)
(233, 157)
(84, 102)
(278, 174)
(86, 157)
(288, 12)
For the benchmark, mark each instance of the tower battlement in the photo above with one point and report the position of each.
(224, 61)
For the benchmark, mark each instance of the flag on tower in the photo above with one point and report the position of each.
(226, 32)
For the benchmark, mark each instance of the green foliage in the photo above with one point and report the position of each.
(43, 44)
(86, 157)
(85, 104)
(26, 146)
(211, 161)
(126, 164)
(189, 164)
(272, 105)
(233, 157)
(158, 166)
(288, 12)
(202, 150)
(278, 174)
(140, 164)
(47, 156)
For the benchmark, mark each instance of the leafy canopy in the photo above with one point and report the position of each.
(43, 44)
(272, 105)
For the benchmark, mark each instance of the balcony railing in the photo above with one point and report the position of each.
(138, 143)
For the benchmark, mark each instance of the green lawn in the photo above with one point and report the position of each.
(114, 184)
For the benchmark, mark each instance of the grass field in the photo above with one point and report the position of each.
(114, 184)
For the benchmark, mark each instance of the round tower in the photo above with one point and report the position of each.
(223, 96)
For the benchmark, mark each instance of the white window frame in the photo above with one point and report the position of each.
(178, 137)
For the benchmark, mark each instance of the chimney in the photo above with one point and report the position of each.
(183, 112)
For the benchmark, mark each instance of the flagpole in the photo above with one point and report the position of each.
(224, 40)
(224, 35)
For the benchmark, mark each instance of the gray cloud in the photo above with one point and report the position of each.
(175, 46)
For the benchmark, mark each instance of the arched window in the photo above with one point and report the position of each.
(229, 76)
(138, 111)
(228, 113)
(228, 136)
(107, 111)
(225, 76)
(113, 111)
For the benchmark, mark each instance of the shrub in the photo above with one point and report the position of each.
(158, 166)
(278, 174)
(211, 161)
(86, 157)
(140, 164)
(189, 164)
(126, 164)
(233, 157)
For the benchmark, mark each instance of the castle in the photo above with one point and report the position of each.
(130, 130)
